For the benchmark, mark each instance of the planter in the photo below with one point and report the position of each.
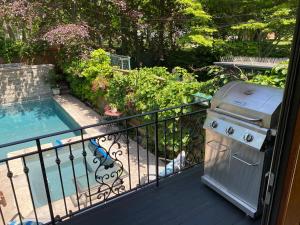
(56, 91)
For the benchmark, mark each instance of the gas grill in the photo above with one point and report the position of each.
(240, 131)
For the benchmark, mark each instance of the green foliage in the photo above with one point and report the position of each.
(276, 78)
(14, 51)
(154, 88)
(253, 28)
(148, 89)
(193, 58)
(88, 77)
(219, 76)
(151, 32)
(254, 49)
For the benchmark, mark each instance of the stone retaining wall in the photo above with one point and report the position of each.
(24, 82)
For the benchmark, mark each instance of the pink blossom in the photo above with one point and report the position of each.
(125, 9)
(66, 33)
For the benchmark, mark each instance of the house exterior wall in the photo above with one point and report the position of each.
(24, 82)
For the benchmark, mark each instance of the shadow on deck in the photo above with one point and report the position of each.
(179, 200)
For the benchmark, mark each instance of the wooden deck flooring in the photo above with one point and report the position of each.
(179, 200)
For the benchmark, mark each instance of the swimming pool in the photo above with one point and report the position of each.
(30, 119)
(66, 170)
(53, 176)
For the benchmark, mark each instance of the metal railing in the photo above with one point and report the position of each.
(51, 183)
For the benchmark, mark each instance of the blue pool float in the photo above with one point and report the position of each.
(104, 156)
(24, 222)
(58, 143)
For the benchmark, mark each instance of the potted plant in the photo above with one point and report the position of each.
(55, 90)
(54, 80)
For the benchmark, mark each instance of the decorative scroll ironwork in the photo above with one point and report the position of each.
(160, 137)
(110, 169)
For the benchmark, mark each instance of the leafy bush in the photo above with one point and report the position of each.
(148, 89)
(88, 78)
(151, 88)
(254, 48)
(276, 78)
(15, 51)
(219, 76)
(192, 57)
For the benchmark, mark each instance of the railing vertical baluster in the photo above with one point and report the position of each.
(173, 142)
(156, 149)
(57, 161)
(10, 175)
(181, 135)
(71, 157)
(147, 152)
(138, 153)
(165, 146)
(189, 148)
(179, 130)
(85, 165)
(2, 216)
(43, 168)
(128, 157)
(26, 171)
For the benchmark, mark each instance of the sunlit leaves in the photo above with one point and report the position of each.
(197, 39)
(193, 8)
(250, 25)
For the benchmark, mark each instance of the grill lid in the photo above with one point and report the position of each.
(252, 103)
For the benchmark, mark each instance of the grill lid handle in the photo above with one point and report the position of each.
(237, 116)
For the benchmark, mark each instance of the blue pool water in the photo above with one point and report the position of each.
(35, 118)
(53, 174)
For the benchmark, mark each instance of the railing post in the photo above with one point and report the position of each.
(156, 149)
(41, 158)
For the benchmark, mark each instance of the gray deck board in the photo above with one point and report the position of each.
(179, 200)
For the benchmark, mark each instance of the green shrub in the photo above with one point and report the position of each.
(275, 78)
(15, 51)
(254, 48)
(148, 89)
(87, 77)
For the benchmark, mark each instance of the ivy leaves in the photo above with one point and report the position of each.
(148, 89)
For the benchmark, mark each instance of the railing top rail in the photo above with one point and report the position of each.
(96, 136)
(100, 124)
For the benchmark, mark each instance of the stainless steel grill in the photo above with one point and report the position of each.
(240, 129)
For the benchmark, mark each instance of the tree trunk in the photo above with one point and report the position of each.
(161, 31)
(9, 31)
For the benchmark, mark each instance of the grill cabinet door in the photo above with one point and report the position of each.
(217, 157)
(245, 173)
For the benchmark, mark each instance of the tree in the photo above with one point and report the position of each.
(266, 24)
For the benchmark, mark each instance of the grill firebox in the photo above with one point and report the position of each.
(240, 131)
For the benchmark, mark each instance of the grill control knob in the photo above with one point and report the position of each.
(230, 130)
(248, 137)
(214, 124)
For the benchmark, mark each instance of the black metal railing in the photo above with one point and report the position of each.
(49, 183)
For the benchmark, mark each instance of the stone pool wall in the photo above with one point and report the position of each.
(24, 82)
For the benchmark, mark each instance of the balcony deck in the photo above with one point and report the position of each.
(180, 200)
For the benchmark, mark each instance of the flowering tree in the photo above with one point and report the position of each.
(20, 18)
(67, 34)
